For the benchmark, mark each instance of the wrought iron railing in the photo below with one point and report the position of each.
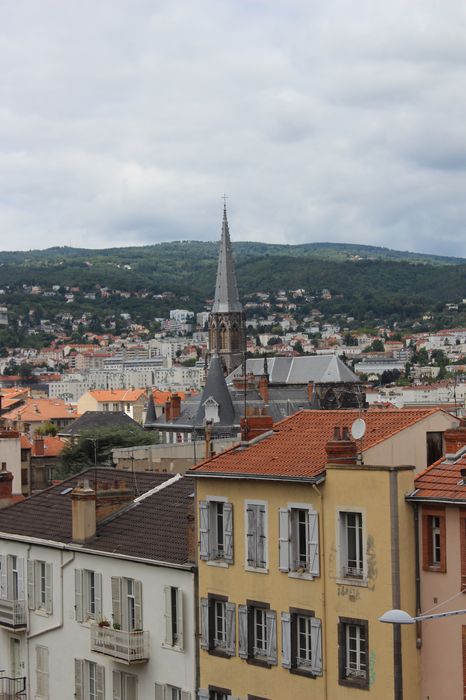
(11, 688)
(129, 647)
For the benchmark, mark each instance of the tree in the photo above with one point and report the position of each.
(47, 428)
(298, 347)
(25, 371)
(377, 345)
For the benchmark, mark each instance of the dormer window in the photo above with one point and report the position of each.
(211, 410)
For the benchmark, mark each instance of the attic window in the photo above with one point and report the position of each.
(65, 491)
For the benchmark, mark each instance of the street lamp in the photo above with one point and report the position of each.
(401, 617)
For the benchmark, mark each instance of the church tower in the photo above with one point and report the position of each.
(227, 332)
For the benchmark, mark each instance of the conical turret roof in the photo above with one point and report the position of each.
(226, 290)
(216, 389)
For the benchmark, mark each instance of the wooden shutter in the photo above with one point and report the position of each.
(9, 574)
(284, 539)
(261, 538)
(31, 585)
(98, 595)
(286, 640)
(314, 564)
(204, 623)
(3, 577)
(179, 618)
(203, 694)
(185, 695)
(42, 671)
(79, 679)
(228, 531)
(78, 595)
(316, 645)
(168, 615)
(230, 609)
(251, 534)
(271, 620)
(159, 691)
(20, 565)
(116, 600)
(48, 588)
(117, 683)
(204, 530)
(100, 682)
(138, 605)
(131, 685)
(243, 649)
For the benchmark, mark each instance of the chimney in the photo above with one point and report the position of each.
(310, 391)
(39, 450)
(112, 497)
(83, 513)
(253, 426)
(176, 406)
(341, 449)
(168, 411)
(263, 387)
(455, 438)
(6, 486)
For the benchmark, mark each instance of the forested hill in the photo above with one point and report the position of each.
(364, 281)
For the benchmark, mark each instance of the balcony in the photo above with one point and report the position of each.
(13, 614)
(126, 647)
(11, 688)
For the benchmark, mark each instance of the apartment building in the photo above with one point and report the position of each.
(97, 590)
(305, 540)
(133, 402)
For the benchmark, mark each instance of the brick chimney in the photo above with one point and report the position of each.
(341, 449)
(253, 426)
(112, 497)
(455, 438)
(39, 449)
(176, 406)
(310, 391)
(263, 388)
(83, 513)
(168, 411)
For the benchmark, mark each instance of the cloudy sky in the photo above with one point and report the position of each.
(123, 121)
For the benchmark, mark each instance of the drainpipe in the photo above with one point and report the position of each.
(418, 575)
(324, 585)
(396, 592)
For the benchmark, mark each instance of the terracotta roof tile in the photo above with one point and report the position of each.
(126, 395)
(297, 446)
(36, 410)
(442, 481)
(53, 446)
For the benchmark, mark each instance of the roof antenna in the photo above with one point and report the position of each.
(245, 421)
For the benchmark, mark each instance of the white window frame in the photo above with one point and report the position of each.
(297, 572)
(42, 672)
(436, 540)
(215, 561)
(355, 673)
(83, 597)
(120, 685)
(174, 639)
(341, 534)
(248, 567)
(40, 586)
(259, 651)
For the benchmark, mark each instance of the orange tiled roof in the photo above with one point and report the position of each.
(442, 481)
(25, 442)
(126, 395)
(297, 446)
(52, 447)
(161, 396)
(37, 410)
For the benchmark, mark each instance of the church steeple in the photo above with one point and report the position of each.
(227, 335)
(226, 289)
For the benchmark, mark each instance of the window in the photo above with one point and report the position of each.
(256, 535)
(89, 680)
(127, 603)
(11, 577)
(171, 692)
(88, 595)
(40, 586)
(42, 672)
(218, 626)
(352, 554)
(299, 541)
(353, 652)
(434, 539)
(214, 693)
(125, 686)
(216, 531)
(434, 446)
(301, 642)
(257, 633)
(173, 617)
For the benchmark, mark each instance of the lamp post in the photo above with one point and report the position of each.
(401, 617)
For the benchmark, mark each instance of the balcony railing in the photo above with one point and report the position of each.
(127, 647)
(13, 613)
(11, 688)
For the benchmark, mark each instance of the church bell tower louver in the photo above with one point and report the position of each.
(227, 333)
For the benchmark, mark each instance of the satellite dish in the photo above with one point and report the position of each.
(358, 429)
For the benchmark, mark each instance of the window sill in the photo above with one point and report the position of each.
(220, 653)
(173, 647)
(42, 612)
(218, 563)
(354, 683)
(305, 575)
(258, 662)
(348, 581)
(303, 672)
(435, 569)
(255, 570)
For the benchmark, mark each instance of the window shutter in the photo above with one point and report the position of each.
(185, 695)
(9, 573)
(271, 619)
(78, 595)
(20, 579)
(243, 631)
(3, 577)
(31, 585)
(48, 588)
(286, 640)
(159, 691)
(37, 584)
(228, 531)
(117, 694)
(179, 616)
(204, 623)
(204, 530)
(316, 645)
(314, 564)
(284, 539)
(100, 682)
(231, 628)
(116, 600)
(78, 679)
(131, 687)
(251, 535)
(261, 539)
(203, 694)
(168, 615)
(138, 605)
(42, 671)
(98, 596)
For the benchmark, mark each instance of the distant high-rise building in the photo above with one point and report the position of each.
(227, 334)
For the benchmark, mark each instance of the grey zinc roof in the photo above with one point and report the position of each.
(299, 370)
(91, 420)
(226, 290)
(216, 388)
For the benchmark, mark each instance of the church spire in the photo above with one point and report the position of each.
(226, 298)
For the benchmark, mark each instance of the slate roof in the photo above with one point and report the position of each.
(156, 528)
(299, 370)
(297, 446)
(226, 298)
(216, 389)
(442, 481)
(92, 420)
